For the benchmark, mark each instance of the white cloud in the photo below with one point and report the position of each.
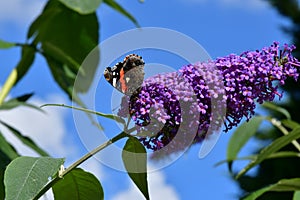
(46, 129)
(93, 166)
(20, 11)
(157, 188)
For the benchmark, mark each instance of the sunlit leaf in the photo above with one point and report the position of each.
(81, 6)
(6, 45)
(78, 185)
(240, 137)
(135, 160)
(296, 195)
(26, 176)
(272, 148)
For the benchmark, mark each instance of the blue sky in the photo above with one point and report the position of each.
(220, 26)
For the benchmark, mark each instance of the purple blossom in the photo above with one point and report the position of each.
(188, 103)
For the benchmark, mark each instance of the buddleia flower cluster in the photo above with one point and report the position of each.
(174, 110)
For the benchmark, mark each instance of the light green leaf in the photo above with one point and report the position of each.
(82, 6)
(296, 195)
(277, 108)
(135, 161)
(113, 4)
(26, 176)
(78, 185)
(283, 185)
(6, 45)
(272, 148)
(25, 140)
(240, 137)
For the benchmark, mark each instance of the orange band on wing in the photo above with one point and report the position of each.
(122, 81)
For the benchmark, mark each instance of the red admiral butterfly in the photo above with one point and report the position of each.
(128, 75)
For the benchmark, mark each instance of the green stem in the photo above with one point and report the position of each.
(9, 83)
(78, 162)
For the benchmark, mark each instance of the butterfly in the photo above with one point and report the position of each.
(126, 76)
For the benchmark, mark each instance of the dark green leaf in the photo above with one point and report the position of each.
(257, 193)
(19, 101)
(135, 161)
(82, 7)
(78, 185)
(66, 39)
(272, 148)
(4, 161)
(240, 137)
(26, 140)
(113, 4)
(7, 149)
(6, 45)
(27, 58)
(26, 176)
(283, 185)
(290, 123)
(296, 195)
(277, 108)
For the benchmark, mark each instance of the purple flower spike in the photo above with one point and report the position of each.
(183, 103)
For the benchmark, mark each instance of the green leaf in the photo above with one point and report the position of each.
(283, 185)
(19, 101)
(81, 6)
(7, 149)
(27, 58)
(4, 161)
(240, 137)
(26, 176)
(277, 108)
(257, 193)
(290, 123)
(66, 38)
(25, 140)
(280, 154)
(78, 185)
(287, 185)
(272, 148)
(135, 161)
(296, 195)
(113, 4)
(6, 45)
